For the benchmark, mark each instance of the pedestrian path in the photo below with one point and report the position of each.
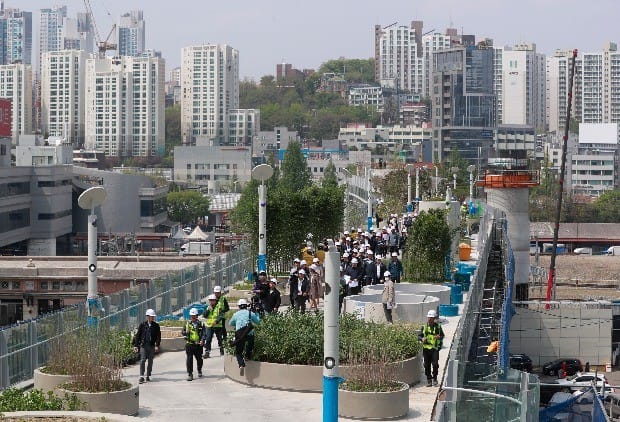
(170, 397)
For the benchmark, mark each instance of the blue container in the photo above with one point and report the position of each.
(465, 268)
(456, 298)
(448, 310)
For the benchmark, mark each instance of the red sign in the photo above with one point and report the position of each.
(5, 118)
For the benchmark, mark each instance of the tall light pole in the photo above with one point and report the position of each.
(408, 168)
(454, 171)
(262, 172)
(89, 200)
(331, 335)
(369, 206)
(471, 169)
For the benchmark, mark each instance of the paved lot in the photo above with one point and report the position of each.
(170, 397)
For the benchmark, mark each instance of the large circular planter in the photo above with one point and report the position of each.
(304, 377)
(373, 405)
(48, 382)
(124, 402)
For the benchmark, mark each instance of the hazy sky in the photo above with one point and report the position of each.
(307, 33)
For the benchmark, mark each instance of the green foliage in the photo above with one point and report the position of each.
(355, 70)
(428, 244)
(393, 189)
(607, 207)
(173, 128)
(330, 179)
(186, 206)
(295, 172)
(296, 338)
(16, 400)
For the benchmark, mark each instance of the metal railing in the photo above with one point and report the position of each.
(27, 346)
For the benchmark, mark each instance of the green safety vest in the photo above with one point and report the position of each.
(193, 333)
(429, 333)
(212, 315)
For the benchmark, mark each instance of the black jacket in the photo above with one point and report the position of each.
(272, 301)
(305, 287)
(138, 339)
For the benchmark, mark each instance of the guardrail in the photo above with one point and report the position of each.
(27, 346)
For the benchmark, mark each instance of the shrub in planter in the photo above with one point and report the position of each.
(16, 400)
(294, 338)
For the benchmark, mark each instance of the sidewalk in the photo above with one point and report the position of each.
(170, 397)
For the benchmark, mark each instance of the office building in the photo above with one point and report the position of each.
(210, 89)
(131, 34)
(124, 103)
(16, 85)
(399, 59)
(463, 102)
(520, 86)
(62, 94)
(15, 36)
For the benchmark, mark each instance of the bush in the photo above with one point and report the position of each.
(16, 400)
(295, 338)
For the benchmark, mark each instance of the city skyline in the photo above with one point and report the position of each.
(269, 33)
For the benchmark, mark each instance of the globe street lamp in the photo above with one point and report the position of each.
(471, 169)
(262, 172)
(454, 171)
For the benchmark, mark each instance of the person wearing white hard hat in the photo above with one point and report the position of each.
(376, 270)
(214, 320)
(194, 332)
(388, 296)
(315, 288)
(146, 341)
(356, 274)
(224, 306)
(395, 267)
(431, 336)
(301, 291)
(273, 299)
(243, 320)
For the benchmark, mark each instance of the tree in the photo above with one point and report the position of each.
(173, 128)
(607, 207)
(330, 179)
(428, 245)
(295, 172)
(392, 189)
(187, 206)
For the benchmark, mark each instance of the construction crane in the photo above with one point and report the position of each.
(102, 45)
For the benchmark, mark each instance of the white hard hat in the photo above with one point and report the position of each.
(211, 297)
(303, 262)
(387, 274)
(313, 267)
(431, 314)
(348, 239)
(242, 302)
(370, 252)
(345, 255)
(273, 280)
(296, 260)
(315, 259)
(346, 232)
(193, 311)
(217, 289)
(354, 261)
(302, 271)
(150, 312)
(394, 254)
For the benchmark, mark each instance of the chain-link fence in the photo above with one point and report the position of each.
(27, 346)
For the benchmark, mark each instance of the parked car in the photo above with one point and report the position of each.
(584, 379)
(572, 366)
(521, 361)
(582, 251)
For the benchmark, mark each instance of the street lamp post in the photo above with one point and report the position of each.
(471, 169)
(90, 199)
(262, 172)
(369, 205)
(454, 170)
(408, 168)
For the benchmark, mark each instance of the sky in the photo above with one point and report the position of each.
(309, 33)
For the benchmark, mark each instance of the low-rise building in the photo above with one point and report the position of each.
(364, 95)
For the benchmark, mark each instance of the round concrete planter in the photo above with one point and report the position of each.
(48, 382)
(373, 405)
(304, 377)
(411, 307)
(124, 402)
(436, 290)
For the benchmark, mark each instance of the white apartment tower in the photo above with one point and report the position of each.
(16, 85)
(15, 36)
(131, 34)
(209, 90)
(520, 86)
(399, 54)
(433, 42)
(62, 94)
(124, 104)
(600, 82)
(558, 73)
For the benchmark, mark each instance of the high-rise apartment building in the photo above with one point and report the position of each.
(399, 58)
(520, 86)
(62, 94)
(433, 42)
(131, 34)
(558, 73)
(124, 104)
(463, 102)
(15, 36)
(243, 126)
(16, 85)
(600, 86)
(209, 89)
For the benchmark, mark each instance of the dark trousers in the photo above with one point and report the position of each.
(218, 331)
(431, 357)
(388, 313)
(300, 303)
(244, 349)
(147, 352)
(193, 351)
